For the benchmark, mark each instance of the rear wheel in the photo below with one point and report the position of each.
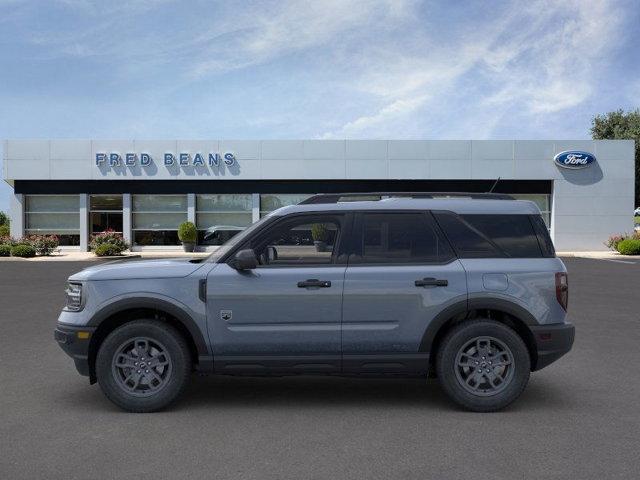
(483, 365)
(143, 365)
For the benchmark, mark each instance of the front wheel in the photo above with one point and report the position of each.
(143, 366)
(483, 365)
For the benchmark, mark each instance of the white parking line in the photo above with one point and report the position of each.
(617, 261)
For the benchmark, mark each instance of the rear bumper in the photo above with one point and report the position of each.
(74, 345)
(552, 342)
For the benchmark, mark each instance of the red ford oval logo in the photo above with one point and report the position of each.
(574, 159)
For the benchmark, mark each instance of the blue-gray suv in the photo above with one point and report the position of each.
(464, 287)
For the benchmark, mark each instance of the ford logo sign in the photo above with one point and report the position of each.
(574, 159)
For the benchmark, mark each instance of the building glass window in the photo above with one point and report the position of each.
(220, 217)
(156, 218)
(543, 201)
(270, 202)
(106, 213)
(54, 215)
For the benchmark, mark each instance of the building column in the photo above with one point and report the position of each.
(126, 219)
(191, 208)
(84, 222)
(255, 207)
(17, 215)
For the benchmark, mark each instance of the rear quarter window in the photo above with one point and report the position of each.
(491, 236)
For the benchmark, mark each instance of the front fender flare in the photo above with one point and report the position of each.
(176, 310)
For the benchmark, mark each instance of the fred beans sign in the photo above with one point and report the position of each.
(169, 159)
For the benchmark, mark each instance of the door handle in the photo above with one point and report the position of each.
(431, 282)
(312, 282)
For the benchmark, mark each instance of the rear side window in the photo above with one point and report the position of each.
(543, 236)
(466, 240)
(399, 238)
(513, 234)
(491, 236)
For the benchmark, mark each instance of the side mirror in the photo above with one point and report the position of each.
(245, 260)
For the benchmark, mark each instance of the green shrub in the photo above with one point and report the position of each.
(187, 232)
(108, 237)
(5, 231)
(44, 244)
(108, 250)
(5, 250)
(630, 246)
(23, 250)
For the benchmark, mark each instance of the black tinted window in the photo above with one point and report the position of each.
(468, 242)
(543, 236)
(490, 236)
(513, 234)
(400, 238)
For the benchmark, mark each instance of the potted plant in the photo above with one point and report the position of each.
(188, 235)
(320, 235)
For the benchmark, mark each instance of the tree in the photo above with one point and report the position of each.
(4, 218)
(620, 125)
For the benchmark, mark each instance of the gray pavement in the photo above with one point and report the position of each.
(579, 418)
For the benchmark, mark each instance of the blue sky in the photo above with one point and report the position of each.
(321, 69)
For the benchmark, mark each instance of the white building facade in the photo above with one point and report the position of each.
(146, 188)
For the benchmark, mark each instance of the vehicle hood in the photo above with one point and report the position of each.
(129, 270)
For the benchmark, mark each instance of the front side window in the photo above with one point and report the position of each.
(156, 218)
(400, 238)
(221, 216)
(304, 240)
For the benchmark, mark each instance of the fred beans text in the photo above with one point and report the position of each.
(182, 159)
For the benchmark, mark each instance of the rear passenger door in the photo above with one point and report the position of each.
(401, 274)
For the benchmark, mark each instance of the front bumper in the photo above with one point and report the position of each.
(75, 343)
(552, 342)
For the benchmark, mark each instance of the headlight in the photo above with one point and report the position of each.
(74, 297)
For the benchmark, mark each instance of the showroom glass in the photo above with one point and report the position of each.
(542, 200)
(220, 217)
(54, 215)
(400, 238)
(270, 202)
(156, 218)
(106, 213)
(307, 240)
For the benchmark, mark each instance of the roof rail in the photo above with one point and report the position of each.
(337, 197)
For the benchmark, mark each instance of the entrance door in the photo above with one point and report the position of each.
(106, 213)
(401, 275)
(283, 316)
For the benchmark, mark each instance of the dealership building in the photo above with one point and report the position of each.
(146, 188)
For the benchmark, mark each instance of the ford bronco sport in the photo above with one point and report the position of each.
(465, 287)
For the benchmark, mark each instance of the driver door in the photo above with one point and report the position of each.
(284, 315)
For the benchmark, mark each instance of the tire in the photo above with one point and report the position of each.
(139, 383)
(502, 360)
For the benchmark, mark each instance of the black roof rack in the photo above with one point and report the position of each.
(337, 197)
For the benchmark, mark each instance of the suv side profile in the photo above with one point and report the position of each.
(465, 287)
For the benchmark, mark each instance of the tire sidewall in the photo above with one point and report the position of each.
(176, 349)
(446, 364)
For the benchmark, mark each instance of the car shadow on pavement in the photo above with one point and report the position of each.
(312, 392)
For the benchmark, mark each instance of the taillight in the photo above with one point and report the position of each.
(562, 289)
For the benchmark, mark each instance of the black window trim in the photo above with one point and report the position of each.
(337, 258)
(357, 237)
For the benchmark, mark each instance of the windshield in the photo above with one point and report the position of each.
(236, 240)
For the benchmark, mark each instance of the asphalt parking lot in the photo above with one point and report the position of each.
(579, 418)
